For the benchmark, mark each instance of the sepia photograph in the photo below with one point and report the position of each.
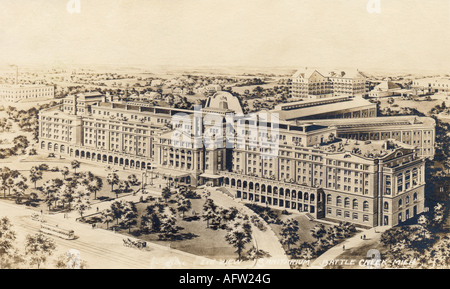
(224, 134)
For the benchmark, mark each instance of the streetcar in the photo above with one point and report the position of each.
(57, 232)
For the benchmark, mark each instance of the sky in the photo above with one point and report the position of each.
(407, 34)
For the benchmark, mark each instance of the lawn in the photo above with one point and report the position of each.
(194, 237)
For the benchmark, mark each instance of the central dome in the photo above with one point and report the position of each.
(225, 101)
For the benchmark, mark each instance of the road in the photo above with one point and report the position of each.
(103, 249)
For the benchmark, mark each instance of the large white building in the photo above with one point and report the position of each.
(18, 92)
(311, 83)
(295, 167)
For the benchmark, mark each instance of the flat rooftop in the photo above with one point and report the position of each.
(373, 121)
(324, 108)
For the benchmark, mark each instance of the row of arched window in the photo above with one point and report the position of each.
(354, 204)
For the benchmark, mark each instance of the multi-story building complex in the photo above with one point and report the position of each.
(15, 93)
(432, 85)
(411, 130)
(327, 108)
(381, 183)
(285, 165)
(310, 83)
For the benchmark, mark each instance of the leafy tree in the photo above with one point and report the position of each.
(19, 188)
(65, 172)
(239, 234)
(166, 194)
(38, 248)
(133, 180)
(209, 211)
(107, 217)
(35, 175)
(289, 233)
(168, 228)
(183, 206)
(81, 199)
(318, 231)
(7, 242)
(129, 215)
(112, 179)
(75, 165)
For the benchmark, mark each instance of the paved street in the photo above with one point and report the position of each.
(103, 249)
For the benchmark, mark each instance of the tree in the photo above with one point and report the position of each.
(209, 211)
(81, 199)
(238, 235)
(94, 183)
(7, 241)
(168, 227)
(289, 233)
(112, 179)
(183, 206)
(19, 188)
(4, 176)
(35, 175)
(38, 248)
(75, 165)
(107, 217)
(117, 210)
(65, 172)
(129, 215)
(318, 231)
(166, 194)
(133, 180)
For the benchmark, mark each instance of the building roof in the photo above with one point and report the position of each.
(224, 101)
(323, 108)
(373, 121)
(386, 85)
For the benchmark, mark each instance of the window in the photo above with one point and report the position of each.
(365, 206)
(347, 202)
(338, 201)
(386, 206)
(355, 204)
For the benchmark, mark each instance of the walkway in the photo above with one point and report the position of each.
(266, 240)
(351, 243)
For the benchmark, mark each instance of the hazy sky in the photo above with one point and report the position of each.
(408, 34)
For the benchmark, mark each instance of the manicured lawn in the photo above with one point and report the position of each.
(194, 238)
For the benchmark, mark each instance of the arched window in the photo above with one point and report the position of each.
(306, 197)
(415, 197)
(312, 197)
(355, 204)
(347, 202)
(328, 199)
(400, 202)
(407, 199)
(338, 201)
(366, 206)
(386, 206)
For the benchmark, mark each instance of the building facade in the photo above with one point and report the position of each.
(419, 132)
(310, 83)
(297, 167)
(15, 93)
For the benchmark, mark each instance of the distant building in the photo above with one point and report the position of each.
(310, 83)
(432, 85)
(18, 92)
(384, 89)
(327, 108)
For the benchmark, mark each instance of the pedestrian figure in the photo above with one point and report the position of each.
(364, 237)
(343, 247)
(97, 209)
